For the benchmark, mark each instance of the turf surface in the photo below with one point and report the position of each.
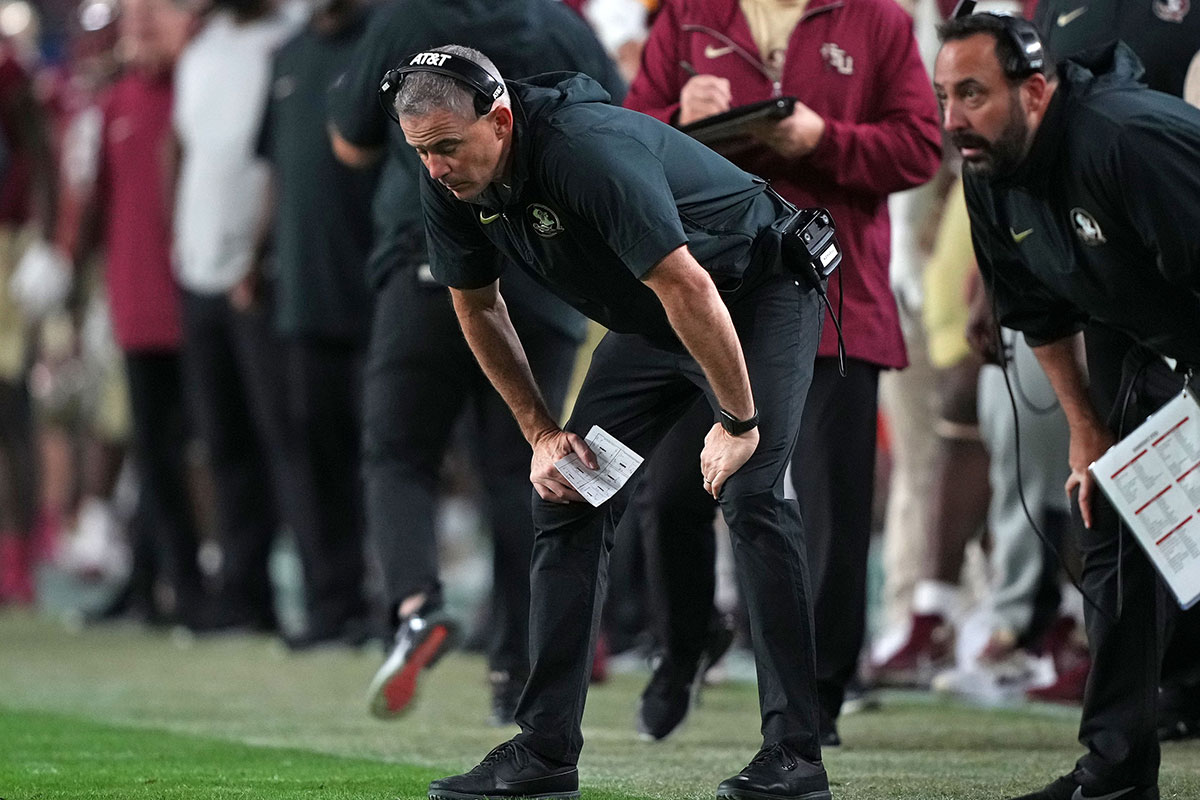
(121, 713)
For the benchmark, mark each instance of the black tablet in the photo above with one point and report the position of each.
(732, 123)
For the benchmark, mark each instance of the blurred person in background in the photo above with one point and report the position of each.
(233, 359)
(319, 241)
(421, 377)
(83, 399)
(33, 280)
(846, 147)
(128, 221)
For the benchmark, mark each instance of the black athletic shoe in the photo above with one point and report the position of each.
(1178, 713)
(1081, 785)
(423, 638)
(510, 770)
(777, 773)
(668, 697)
(675, 685)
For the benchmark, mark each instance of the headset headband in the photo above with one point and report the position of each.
(1031, 55)
(486, 88)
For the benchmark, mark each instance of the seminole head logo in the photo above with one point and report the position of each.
(1086, 227)
(544, 221)
(1171, 10)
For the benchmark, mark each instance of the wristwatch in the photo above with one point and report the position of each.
(736, 427)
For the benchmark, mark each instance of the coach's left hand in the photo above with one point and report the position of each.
(724, 455)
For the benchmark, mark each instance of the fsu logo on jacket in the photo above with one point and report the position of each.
(1171, 10)
(544, 221)
(839, 60)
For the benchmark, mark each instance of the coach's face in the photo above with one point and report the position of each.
(463, 153)
(985, 116)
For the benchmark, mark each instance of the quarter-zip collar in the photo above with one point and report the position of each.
(740, 41)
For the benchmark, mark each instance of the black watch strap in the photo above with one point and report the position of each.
(736, 427)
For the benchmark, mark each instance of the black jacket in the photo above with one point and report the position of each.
(1102, 220)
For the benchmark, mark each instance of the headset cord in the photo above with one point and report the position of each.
(1020, 483)
(836, 321)
(1033, 407)
(1121, 522)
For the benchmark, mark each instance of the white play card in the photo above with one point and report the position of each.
(1152, 477)
(616, 462)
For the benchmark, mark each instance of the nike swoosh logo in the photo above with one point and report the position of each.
(1020, 237)
(1079, 795)
(488, 220)
(716, 52)
(1066, 19)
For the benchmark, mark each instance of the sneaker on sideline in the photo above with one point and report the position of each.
(422, 639)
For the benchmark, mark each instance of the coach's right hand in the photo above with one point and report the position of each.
(702, 96)
(724, 455)
(548, 448)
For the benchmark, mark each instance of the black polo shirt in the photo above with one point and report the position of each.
(598, 195)
(1101, 220)
(323, 213)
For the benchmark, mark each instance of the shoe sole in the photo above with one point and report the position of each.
(443, 794)
(739, 794)
(396, 692)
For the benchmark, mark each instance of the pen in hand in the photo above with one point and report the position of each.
(688, 68)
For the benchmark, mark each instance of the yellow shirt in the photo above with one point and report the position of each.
(771, 25)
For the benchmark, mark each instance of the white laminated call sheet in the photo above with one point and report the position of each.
(616, 462)
(1152, 477)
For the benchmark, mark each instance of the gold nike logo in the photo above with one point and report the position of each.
(716, 52)
(488, 220)
(1020, 237)
(1066, 19)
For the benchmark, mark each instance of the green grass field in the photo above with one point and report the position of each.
(119, 713)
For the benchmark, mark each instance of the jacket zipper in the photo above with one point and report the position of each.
(753, 60)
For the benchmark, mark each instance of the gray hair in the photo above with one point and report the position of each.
(425, 92)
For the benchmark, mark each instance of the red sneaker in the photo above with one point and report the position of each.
(600, 660)
(1068, 689)
(16, 572)
(928, 650)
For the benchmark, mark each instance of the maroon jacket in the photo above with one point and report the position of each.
(855, 63)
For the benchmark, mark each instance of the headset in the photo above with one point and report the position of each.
(486, 87)
(1030, 54)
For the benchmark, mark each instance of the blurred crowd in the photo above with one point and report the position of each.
(198, 257)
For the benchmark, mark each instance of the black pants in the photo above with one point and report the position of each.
(235, 377)
(636, 391)
(833, 469)
(164, 528)
(324, 396)
(1119, 705)
(833, 472)
(421, 378)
